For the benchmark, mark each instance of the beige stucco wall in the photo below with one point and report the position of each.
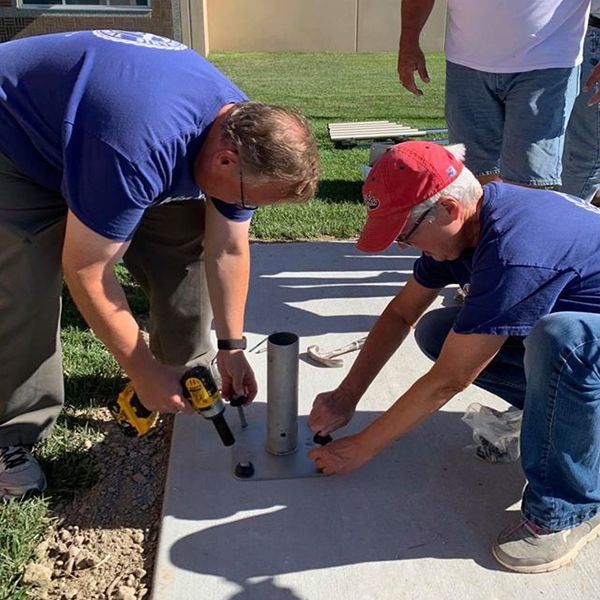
(379, 26)
(194, 25)
(275, 25)
(313, 25)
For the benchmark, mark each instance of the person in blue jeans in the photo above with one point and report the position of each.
(529, 331)
(508, 96)
(581, 158)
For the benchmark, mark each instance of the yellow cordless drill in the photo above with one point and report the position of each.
(199, 389)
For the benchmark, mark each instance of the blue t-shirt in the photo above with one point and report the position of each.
(538, 253)
(113, 120)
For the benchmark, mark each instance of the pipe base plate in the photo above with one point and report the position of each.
(251, 447)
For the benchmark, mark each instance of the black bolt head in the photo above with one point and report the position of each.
(322, 440)
(244, 470)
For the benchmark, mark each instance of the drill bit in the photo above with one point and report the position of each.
(238, 402)
(242, 416)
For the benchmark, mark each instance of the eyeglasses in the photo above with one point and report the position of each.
(242, 203)
(402, 239)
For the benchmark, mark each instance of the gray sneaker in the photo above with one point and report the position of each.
(527, 548)
(20, 474)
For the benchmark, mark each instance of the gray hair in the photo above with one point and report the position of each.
(465, 188)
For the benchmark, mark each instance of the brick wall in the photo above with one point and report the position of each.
(158, 20)
(9, 26)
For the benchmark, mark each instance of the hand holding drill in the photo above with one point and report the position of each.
(199, 389)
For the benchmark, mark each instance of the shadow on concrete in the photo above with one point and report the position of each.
(287, 275)
(266, 589)
(424, 497)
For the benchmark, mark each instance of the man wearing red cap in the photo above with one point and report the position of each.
(528, 331)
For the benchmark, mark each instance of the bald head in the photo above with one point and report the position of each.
(275, 145)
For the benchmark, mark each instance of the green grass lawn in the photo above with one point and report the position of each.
(91, 377)
(326, 88)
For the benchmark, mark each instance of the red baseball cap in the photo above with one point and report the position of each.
(406, 175)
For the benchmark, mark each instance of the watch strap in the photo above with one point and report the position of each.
(239, 344)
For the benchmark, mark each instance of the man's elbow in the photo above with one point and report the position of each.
(453, 387)
(447, 387)
(215, 249)
(71, 269)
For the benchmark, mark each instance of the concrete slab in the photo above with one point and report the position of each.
(417, 522)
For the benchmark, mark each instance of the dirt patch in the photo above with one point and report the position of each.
(103, 544)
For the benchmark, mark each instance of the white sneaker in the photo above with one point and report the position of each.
(20, 473)
(462, 293)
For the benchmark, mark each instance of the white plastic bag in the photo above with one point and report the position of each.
(496, 434)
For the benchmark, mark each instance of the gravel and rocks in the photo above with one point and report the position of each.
(103, 543)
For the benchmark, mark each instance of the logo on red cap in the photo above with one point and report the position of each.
(407, 174)
(370, 201)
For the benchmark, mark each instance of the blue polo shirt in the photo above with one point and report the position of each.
(112, 120)
(538, 253)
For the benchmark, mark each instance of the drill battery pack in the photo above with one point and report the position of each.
(132, 417)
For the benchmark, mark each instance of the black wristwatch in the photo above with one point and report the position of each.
(239, 344)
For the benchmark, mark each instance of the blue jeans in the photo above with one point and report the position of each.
(513, 124)
(581, 160)
(554, 376)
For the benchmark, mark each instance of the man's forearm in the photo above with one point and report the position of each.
(422, 400)
(461, 361)
(102, 303)
(228, 277)
(227, 260)
(387, 334)
(414, 15)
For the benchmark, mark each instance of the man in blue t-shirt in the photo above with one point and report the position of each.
(528, 331)
(127, 145)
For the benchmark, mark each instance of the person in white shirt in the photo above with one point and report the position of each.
(581, 158)
(512, 76)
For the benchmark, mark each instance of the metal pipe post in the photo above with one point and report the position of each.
(282, 393)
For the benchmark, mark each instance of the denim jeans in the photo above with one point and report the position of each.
(512, 124)
(581, 160)
(554, 376)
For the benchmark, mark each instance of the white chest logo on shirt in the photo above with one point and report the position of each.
(139, 38)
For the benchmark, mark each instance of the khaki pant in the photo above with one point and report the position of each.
(165, 257)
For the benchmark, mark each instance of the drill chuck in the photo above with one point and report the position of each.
(202, 393)
(223, 430)
(213, 411)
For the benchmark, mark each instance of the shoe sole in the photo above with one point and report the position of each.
(26, 496)
(8, 494)
(555, 564)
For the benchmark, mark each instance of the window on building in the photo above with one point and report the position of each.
(86, 3)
